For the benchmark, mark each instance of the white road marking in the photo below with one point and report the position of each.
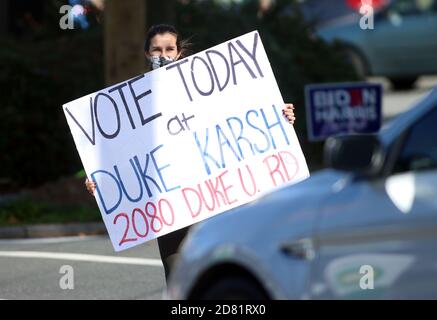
(51, 240)
(81, 257)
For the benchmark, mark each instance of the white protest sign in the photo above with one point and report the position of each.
(185, 142)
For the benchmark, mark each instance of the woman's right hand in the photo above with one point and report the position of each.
(90, 186)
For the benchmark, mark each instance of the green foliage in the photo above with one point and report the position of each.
(41, 72)
(80, 174)
(27, 211)
(297, 57)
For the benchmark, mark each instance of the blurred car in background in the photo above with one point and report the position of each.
(366, 228)
(401, 46)
(320, 13)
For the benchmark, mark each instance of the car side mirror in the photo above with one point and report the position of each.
(362, 154)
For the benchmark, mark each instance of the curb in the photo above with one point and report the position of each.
(52, 230)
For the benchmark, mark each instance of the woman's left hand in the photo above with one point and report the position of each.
(289, 113)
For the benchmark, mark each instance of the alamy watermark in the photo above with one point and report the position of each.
(67, 280)
(367, 278)
(73, 16)
(67, 20)
(367, 12)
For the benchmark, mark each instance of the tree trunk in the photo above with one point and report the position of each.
(124, 32)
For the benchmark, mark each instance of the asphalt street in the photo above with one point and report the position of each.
(31, 269)
(395, 102)
(35, 268)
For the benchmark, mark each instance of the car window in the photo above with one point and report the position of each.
(412, 7)
(419, 151)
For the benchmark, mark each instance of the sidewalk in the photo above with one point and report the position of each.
(52, 230)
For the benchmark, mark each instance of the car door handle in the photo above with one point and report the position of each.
(300, 249)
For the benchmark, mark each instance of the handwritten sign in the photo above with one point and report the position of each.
(340, 108)
(185, 142)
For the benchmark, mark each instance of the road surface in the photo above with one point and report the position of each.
(30, 269)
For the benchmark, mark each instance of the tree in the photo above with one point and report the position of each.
(124, 31)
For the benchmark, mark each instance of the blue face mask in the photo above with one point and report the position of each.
(158, 62)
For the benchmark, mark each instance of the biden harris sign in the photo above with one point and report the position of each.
(342, 108)
(185, 142)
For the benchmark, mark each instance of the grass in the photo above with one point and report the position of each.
(25, 211)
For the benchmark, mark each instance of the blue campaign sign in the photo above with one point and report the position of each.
(340, 108)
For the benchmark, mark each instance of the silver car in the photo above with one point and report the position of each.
(401, 46)
(366, 228)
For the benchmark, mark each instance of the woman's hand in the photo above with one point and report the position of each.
(90, 186)
(289, 113)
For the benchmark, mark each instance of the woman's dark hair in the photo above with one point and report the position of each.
(182, 45)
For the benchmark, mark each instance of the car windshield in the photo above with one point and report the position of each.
(391, 129)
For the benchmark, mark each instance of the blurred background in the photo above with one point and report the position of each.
(44, 65)
(54, 51)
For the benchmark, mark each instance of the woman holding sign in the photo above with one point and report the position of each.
(164, 45)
